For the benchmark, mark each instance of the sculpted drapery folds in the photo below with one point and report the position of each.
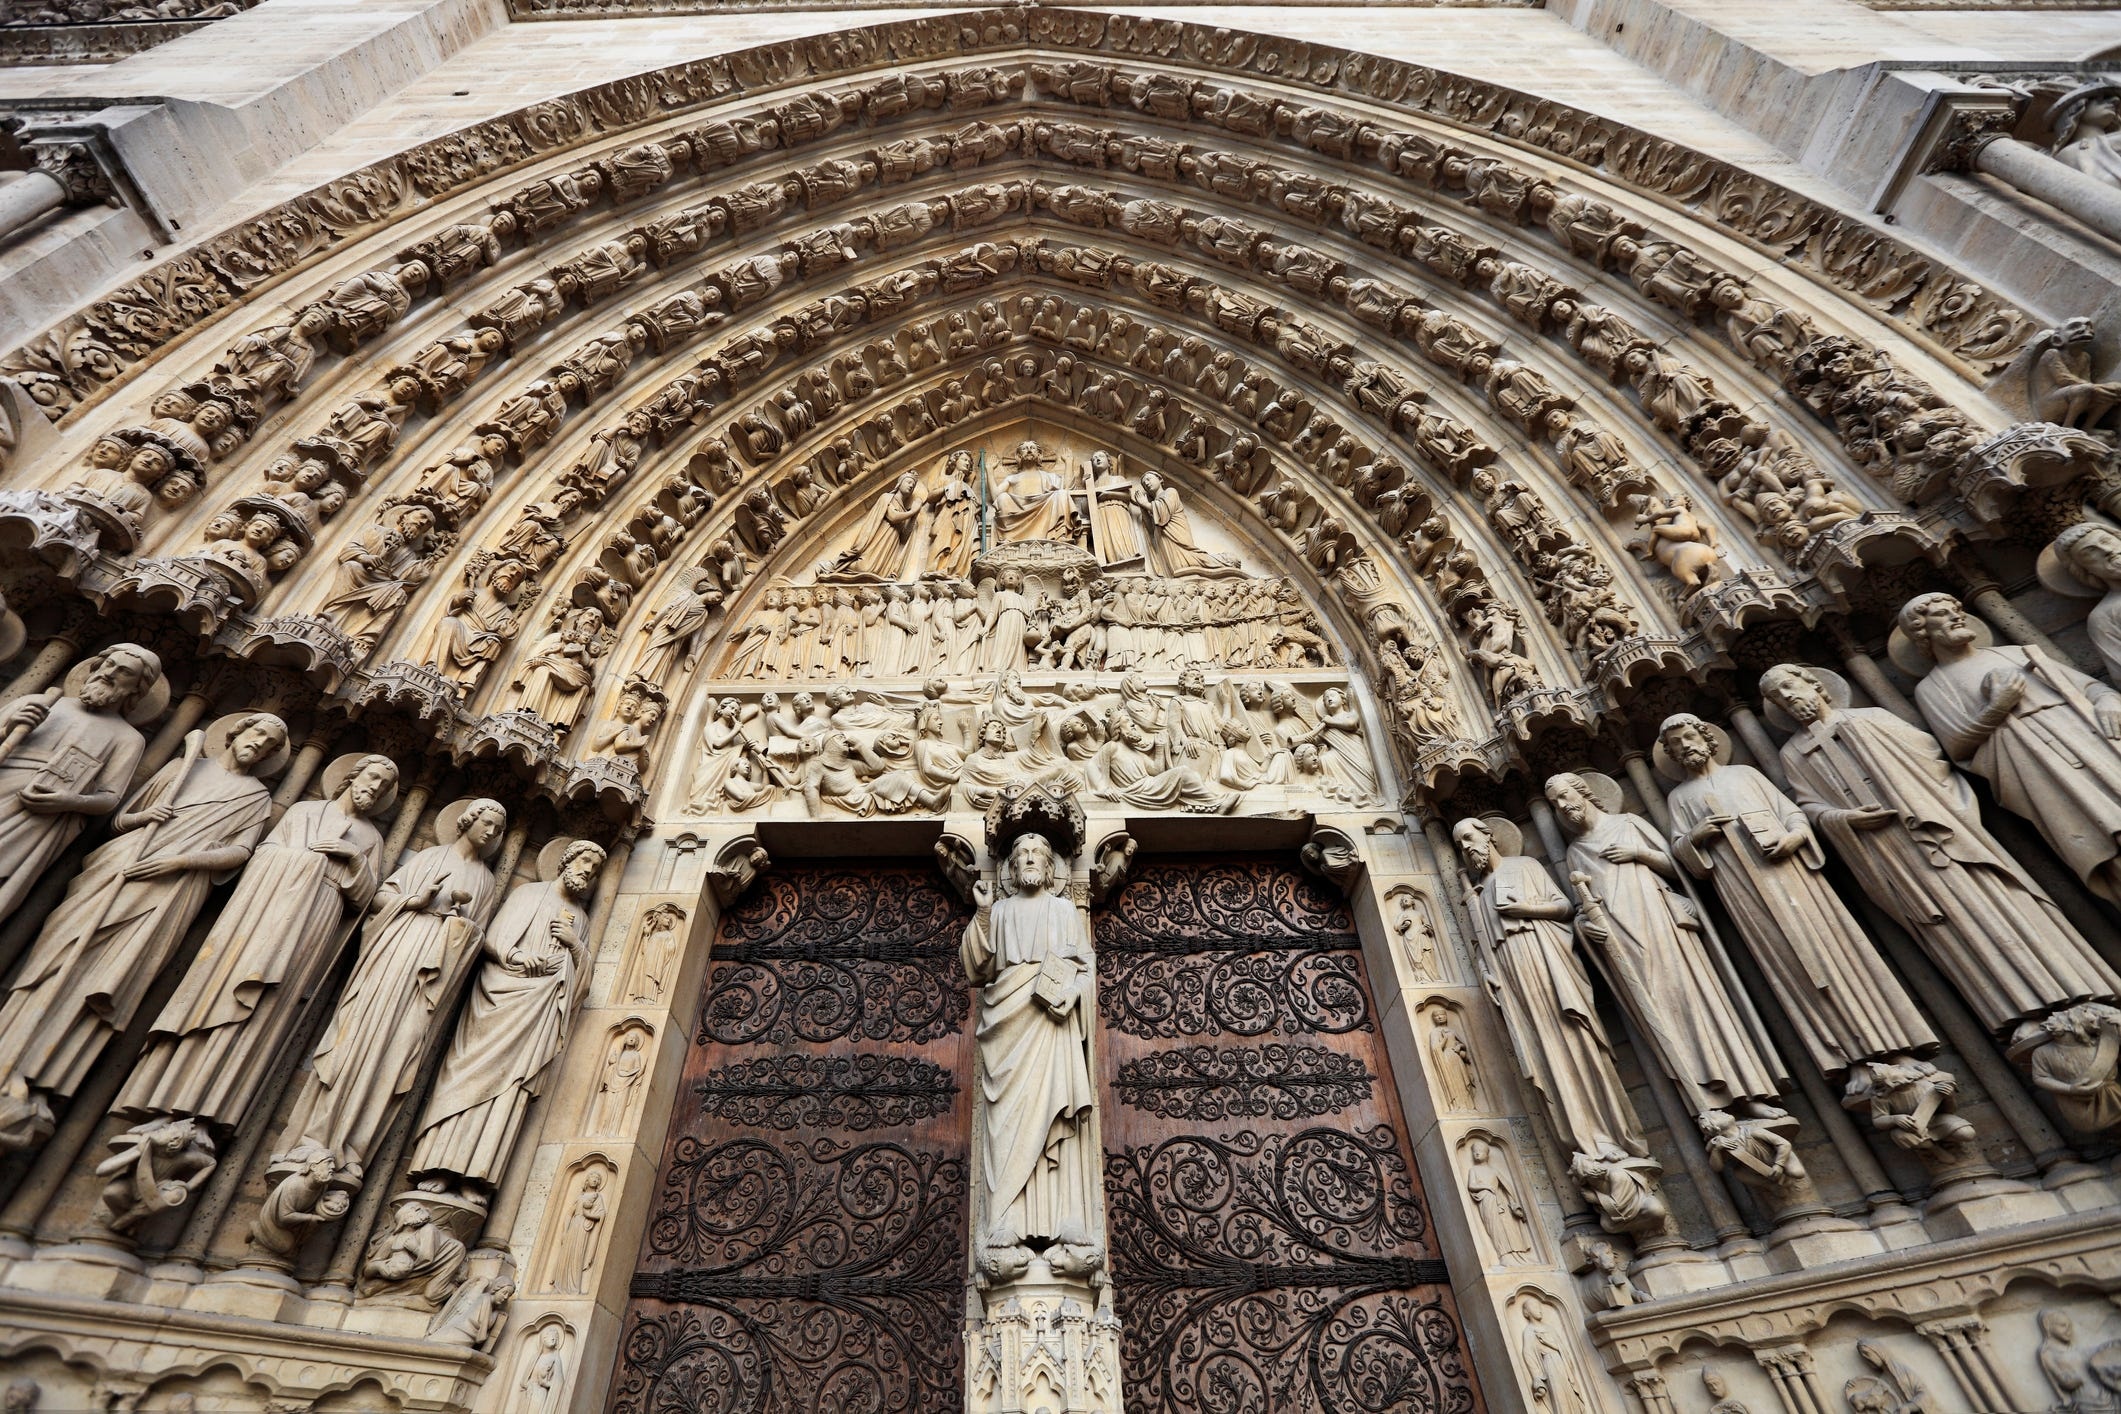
(126, 912)
(1667, 968)
(1520, 926)
(219, 1034)
(1730, 824)
(515, 1022)
(1029, 951)
(1908, 827)
(66, 757)
(2042, 734)
(419, 942)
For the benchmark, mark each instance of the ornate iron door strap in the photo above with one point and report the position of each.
(807, 1248)
(1270, 1247)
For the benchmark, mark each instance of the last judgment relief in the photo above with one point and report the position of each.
(1025, 610)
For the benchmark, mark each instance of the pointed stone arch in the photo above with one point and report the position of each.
(1423, 259)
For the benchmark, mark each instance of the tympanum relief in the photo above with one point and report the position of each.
(1025, 615)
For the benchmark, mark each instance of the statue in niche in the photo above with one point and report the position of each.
(627, 734)
(1029, 951)
(953, 533)
(1167, 531)
(379, 569)
(2083, 561)
(1897, 1388)
(884, 540)
(1729, 823)
(677, 632)
(2059, 1361)
(1678, 539)
(482, 618)
(1502, 1212)
(218, 1036)
(514, 1023)
(624, 1069)
(67, 756)
(562, 664)
(1520, 921)
(418, 944)
(546, 1379)
(1665, 964)
(1033, 501)
(1720, 1390)
(574, 1260)
(1909, 829)
(1115, 532)
(125, 914)
(2041, 733)
(1557, 1384)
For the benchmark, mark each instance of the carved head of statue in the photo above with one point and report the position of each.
(1476, 846)
(1937, 624)
(2092, 551)
(369, 787)
(1685, 738)
(254, 741)
(1571, 798)
(2057, 1326)
(579, 866)
(1194, 683)
(119, 677)
(1798, 692)
(1031, 864)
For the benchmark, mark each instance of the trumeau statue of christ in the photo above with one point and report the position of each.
(1030, 952)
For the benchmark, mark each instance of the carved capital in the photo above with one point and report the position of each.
(1972, 125)
(77, 166)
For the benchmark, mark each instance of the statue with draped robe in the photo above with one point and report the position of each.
(125, 914)
(1908, 827)
(220, 1033)
(1520, 924)
(420, 940)
(1730, 824)
(1167, 530)
(67, 757)
(1667, 968)
(1029, 951)
(2043, 735)
(515, 1022)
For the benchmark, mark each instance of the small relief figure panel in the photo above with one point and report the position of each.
(806, 1244)
(1250, 1118)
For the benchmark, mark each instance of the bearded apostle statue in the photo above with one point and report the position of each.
(1730, 824)
(1520, 924)
(279, 933)
(1029, 951)
(66, 757)
(419, 942)
(1665, 964)
(124, 915)
(2041, 733)
(514, 1023)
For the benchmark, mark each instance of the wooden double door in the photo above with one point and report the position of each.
(1269, 1245)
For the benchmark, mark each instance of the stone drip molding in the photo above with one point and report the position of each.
(78, 362)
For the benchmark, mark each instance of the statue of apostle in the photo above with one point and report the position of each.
(221, 1032)
(1521, 924)
(419, 942)
(67, 756)
(1668, 969)
(1730, 823)
(1030, 950)
(2041, 733)
(515, 1022)
(126, 912)
(1907, 826)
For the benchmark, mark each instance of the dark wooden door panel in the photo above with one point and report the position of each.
(807, 1250)
(1271, 1251)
